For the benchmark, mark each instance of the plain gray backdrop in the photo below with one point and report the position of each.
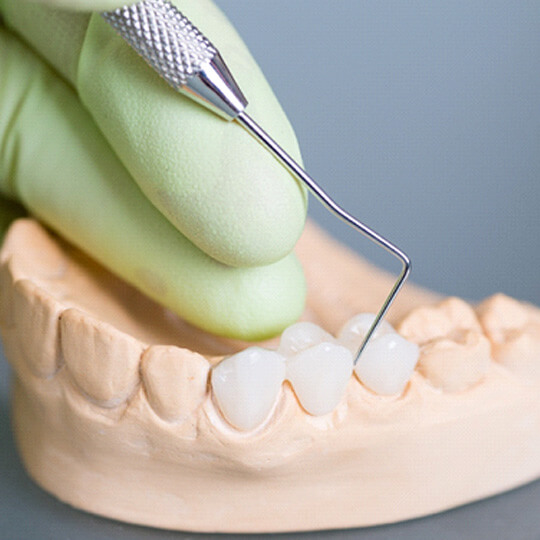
(423, 119)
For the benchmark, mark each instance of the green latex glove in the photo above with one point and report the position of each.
(216, 196)
(85, 5)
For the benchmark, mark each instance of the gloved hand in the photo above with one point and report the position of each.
(84, 5)
(184, 205)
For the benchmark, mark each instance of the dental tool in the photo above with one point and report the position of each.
(188, 62)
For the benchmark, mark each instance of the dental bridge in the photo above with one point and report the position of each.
(190, 64)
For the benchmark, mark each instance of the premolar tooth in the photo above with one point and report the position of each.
(454, 353)
(354, 330)
(103, 361)
(247, 384)
(301, 336)
(319, 376)
(175, 380)
(387, 363)
(514, 331)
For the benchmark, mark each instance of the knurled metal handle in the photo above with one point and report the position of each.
(179, 52)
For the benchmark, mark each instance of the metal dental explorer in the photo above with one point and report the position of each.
(187, 60)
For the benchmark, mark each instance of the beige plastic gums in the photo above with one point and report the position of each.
(113, 411)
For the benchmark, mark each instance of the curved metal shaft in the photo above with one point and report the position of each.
(248, 123)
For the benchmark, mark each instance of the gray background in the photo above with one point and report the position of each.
(424, 118)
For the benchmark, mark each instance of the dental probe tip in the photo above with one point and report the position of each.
(190, 64)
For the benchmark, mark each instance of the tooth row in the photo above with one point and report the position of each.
(450, 344)
(317, 365)
(106, 365)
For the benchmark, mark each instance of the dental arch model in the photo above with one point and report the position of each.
(116, 414)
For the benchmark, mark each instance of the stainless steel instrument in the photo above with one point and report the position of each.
(189, 62)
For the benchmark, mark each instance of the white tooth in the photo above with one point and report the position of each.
(387, 363)
(247, 384)
(319, 376)
(301, 336)
(354, 330)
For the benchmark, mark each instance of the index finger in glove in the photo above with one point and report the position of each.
(54, 159)
(209, 177)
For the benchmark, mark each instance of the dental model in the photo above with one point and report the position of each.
(124, 410)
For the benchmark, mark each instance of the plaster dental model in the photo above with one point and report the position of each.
(140, 412)
(124, 410)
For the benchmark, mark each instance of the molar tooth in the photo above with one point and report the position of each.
(500, 314)
(103, 361)
(453, 366)
(514, 331)
(387, 363)
(353, 331)
(452, 315)
(301, 336)
(454, 353)
(319, 376)
(175, 381)
(247, 384)
(520, 355)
